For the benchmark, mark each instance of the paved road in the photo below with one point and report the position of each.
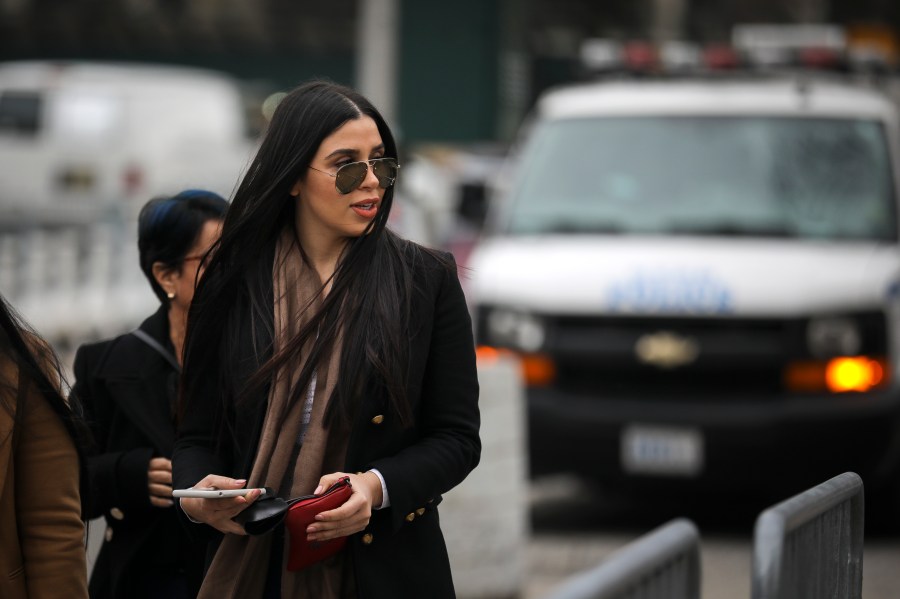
(572, 531)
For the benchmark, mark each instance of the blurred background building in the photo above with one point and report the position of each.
(448, 74)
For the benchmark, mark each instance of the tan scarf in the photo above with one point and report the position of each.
(239, 568)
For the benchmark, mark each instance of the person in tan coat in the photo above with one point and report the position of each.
(42, 543)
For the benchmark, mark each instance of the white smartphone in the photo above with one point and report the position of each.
(212, 493)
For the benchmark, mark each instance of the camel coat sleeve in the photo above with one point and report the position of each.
(47, 510)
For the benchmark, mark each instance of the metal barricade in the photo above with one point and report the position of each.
(663, 564)
(811, 545)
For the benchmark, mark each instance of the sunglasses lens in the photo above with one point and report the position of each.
(349, 176)
(385, 171)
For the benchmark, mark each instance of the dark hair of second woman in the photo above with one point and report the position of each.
(169, 226)
(35, 364)
(370, 290)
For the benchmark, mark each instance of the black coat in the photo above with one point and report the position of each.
(127, 389)
(402, 551)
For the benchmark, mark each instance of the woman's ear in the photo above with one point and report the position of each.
(165, 276)
(295, 190)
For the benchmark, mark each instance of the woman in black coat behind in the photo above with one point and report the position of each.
(128, 386)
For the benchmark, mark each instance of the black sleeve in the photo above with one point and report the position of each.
(194, 456)
(448, 445)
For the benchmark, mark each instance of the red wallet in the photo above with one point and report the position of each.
(301, 513)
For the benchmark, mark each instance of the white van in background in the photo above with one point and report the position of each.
(702, 279)
(83, 145)
(76, 136)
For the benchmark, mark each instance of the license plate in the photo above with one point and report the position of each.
(659, 450)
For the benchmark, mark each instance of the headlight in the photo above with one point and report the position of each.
(827, 337)
(515, 329)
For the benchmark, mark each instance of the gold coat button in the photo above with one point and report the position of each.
(410, 516)
(378, 419)
(108, 534)
(367, 539)
(117, 513)
(420, 511)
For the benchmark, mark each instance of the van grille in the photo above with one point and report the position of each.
(697, 358)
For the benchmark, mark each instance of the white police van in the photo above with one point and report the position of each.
(702, 279)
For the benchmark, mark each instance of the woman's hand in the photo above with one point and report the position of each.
(354, 515)
(159, 482)
(218, 513)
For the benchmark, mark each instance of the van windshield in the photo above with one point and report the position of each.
(739, 176)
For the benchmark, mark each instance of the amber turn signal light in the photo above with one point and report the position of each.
(853, 374)
(838, 375)
(538, 370)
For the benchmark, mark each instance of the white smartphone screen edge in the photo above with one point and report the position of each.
(211, 493)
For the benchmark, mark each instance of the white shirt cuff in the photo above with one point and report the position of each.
(385, 500)
(187, 515)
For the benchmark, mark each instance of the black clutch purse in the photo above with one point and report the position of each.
(264, 514)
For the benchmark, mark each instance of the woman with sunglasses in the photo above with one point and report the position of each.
(128, 386)
(321, 346)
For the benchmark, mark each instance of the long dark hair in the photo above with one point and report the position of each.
(370, 290)
(168, 226)
(36, 365)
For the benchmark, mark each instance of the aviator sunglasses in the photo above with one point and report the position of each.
(351, 175)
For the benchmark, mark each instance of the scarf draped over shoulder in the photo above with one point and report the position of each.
(239, 567)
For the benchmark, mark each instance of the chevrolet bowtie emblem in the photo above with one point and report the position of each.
(665, 349)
